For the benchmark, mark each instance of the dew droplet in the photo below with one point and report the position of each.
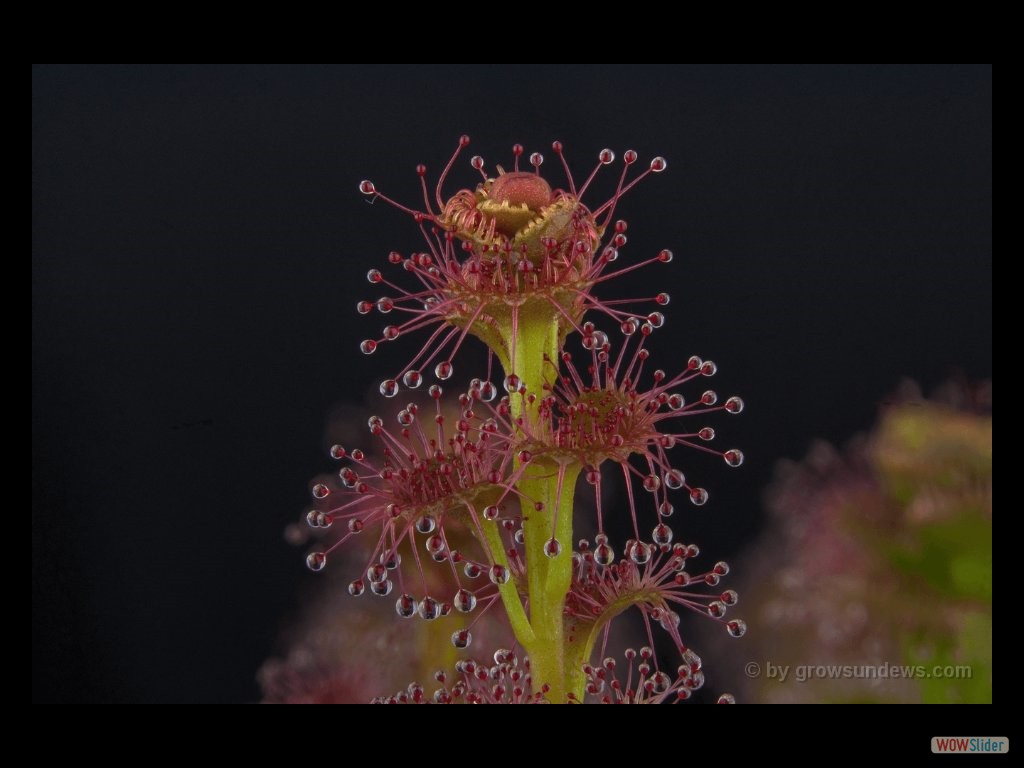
(487, 391)
(669, 620)
(434, 544)
(656, 319)
(629, 156)
(472, 571)
(385, 305)
(676, 401)
(733, 457)
(552, 548)
(730, 597)
(726, 698)
(374, 276)
(674, 479)
(721, 568)
(405, 606)
(364, 307)
(716, 609)
(426, 524)
(736, 627)
(366, 187)
(491, 512)
(376, 573)
(383, 589)
(734, 404)
(604, 555)
(710, 397)
(706, 433)
(665, 509)
(498, 574)
(462, 638)
(662, 299)
(661, 682)
(512, 383)
(391, 332)
(337, 452)
(444, 370)
(606, 157)
(389, 387)
(640, 553)
(698, 496)
(665, 256)
(659, 164)
(356, 588)
(708, 368)
(692, 663)
(662, 535)
(464, 600)
(316, 561)
(429, 608)
(651, 483)
(320, 491)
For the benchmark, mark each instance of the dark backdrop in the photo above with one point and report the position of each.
(199, 245)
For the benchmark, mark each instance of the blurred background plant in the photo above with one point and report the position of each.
(877, 555)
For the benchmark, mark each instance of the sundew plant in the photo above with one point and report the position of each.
(486, 497)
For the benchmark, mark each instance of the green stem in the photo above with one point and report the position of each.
(551, 486)
(509, 592)
(549, 578)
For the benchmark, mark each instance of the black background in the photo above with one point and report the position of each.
(199, 245)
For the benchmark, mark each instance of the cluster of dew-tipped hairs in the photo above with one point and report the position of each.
(469, 269)
(420, 488)
(508, 681)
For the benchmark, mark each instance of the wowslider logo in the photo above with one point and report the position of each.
(970, 744)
